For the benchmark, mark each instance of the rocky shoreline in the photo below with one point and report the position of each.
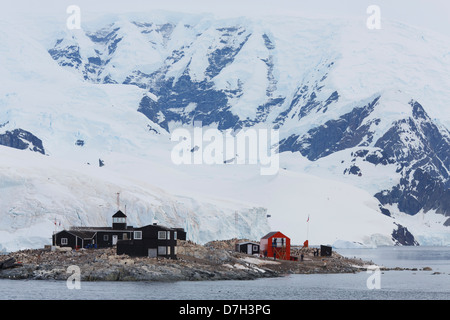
(214, 261)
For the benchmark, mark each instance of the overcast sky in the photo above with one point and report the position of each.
(431, 14)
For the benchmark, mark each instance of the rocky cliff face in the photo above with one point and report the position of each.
(415, 145)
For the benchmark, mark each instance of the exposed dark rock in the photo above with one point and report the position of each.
(173, 98)
(223, 56)
(21, 139)
(355, 170)
(447, 222)
(385, 211)
(268, 43)
(335, 135)
(425, 182)
(403, 237)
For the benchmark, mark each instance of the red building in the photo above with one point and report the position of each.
(276, 245)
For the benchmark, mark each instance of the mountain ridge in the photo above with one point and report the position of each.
(132, 82)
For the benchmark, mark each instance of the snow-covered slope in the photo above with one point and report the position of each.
(361, 113)
(38, 191)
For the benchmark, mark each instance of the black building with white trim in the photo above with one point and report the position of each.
(151, 240)
(95, 237)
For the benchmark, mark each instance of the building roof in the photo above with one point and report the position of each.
(247, 242)
(79, 231)
(96, 229)
(119, 214)
(156, 226)
(82, 234)
(271, 234)
(76, 228)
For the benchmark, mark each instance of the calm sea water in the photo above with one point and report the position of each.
(398, 285)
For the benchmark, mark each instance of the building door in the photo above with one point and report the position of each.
(114, 239)
(249, 248)
(152, 253)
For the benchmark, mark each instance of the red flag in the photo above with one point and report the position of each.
(308, 218)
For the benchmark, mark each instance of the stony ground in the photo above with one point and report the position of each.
(214, 261)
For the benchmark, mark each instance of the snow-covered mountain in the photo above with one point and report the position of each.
(362, 117)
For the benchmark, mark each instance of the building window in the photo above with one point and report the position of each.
(168, 251)
(174, 235)
(138, 235)
(119, 220)
(278, 242)
(255, 248)
(64, 241)
(105, 237)
(168, 235)
(162, 235)
(162, 251)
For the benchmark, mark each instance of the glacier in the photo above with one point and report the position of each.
(112, 92)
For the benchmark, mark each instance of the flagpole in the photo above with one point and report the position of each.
(307, 230)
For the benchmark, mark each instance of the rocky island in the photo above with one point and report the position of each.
(215, 260)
